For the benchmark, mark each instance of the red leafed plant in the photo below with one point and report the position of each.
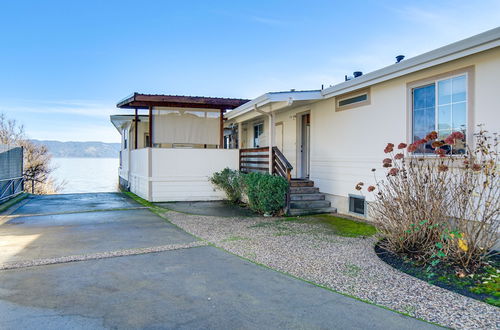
(441, 207)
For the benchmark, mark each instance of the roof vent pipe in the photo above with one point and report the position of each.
(399, 58)
(357, 74)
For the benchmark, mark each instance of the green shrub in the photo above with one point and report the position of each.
(266, 193)
(231, 182)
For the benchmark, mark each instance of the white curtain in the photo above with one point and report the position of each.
(185, 126)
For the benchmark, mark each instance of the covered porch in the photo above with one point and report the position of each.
(172, 144)
(273, 133)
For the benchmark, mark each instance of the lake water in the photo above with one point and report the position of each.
(84, 175)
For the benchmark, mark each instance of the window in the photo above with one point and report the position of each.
(357, 204)
(258, 130)
(442, 107)
(147, 143)
(353, 100)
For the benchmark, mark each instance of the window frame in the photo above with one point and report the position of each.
(343, 97)
(469, 72)
(257, 137)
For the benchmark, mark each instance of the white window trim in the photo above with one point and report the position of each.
(469, 71)
(341, 98)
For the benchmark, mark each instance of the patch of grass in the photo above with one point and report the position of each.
(409, 309)
(333, 224)
(138, 199)
(12, 201)
(152, 207)
(340, 226)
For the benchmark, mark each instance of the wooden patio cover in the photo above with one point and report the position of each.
(139, 101)
(145, 101)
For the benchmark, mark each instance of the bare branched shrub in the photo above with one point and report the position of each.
(442, 208)
(36, 163)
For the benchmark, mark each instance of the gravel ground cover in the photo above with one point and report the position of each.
(99, 255)
(348, 265)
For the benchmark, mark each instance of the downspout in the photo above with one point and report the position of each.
(270, 116)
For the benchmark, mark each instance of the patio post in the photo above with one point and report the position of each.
(221, 129)
(240, 135)
(271, 140)
(136, 119)
(150, 126)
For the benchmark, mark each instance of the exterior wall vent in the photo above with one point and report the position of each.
(357, 205)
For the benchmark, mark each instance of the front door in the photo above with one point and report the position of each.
(305, 137)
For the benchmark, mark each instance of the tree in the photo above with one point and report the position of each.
(36, 163)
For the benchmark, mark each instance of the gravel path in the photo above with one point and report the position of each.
(99, 255)
(347, 265)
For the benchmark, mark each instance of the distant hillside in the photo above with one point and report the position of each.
(81, 149)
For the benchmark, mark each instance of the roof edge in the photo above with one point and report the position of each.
(469, 46)
(273, 97)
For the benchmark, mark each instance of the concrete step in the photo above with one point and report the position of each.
(304, 190)
(301, 183)
(312, 211)
(307, 197)
(309, 204)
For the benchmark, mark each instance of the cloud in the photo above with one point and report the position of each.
(67, 107)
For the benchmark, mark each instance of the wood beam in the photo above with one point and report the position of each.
(136, 119)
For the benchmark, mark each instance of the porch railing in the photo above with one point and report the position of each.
(257, 160)
(254, 160)
(282, 167)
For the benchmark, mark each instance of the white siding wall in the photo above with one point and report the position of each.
(346, 145)
(139, 172)
(123, 170)
(161, 175)
(182, 174)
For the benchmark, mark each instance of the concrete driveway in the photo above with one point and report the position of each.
(92, 261)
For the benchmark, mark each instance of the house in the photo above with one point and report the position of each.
(335, 136)
(323, 141)
(169, 152)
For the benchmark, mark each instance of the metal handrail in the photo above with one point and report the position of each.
(12, 187)
(16, 178)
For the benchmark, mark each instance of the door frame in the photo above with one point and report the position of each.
(299, 137)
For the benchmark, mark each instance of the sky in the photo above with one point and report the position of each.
(65, 64)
